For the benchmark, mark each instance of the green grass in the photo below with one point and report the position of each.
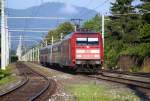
(4, 73)
(92, 92)
(6, 77)
(6, 80)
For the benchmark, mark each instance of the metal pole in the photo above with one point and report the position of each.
(31, 54)
(3, 37)
(9, 34)
(103, 30)
(7, 41)
(28, 57)
(38, 54)
(45, 42)
(75, 28)
(25, 57)
(51, 48)
(61, 36)
(19, 49)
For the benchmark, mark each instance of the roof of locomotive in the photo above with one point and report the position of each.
(71, 34)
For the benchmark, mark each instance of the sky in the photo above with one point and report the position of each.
(101, 6)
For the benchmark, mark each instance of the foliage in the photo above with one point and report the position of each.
(112, 48)
(14, 58)
(145, 32)
(6, 77)
(129, 30)
(64, 28)
(93, 24)
(4, 73)
(145, 8)
(141, 50)
(144, 29)
(134, 69)
(124, 26)
(126, 33)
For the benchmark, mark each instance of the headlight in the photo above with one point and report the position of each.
(80, 51)
(79, 56)
(94, 51)
(96, 56)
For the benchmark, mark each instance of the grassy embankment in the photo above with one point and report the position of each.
(6, 77)
(92, 92)
(116, 49)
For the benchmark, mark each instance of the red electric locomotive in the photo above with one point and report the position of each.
(81, 51)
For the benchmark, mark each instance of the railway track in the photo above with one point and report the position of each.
(34, 86)
(122, 80)
(142, 79)
(139, 74)
(140, 86)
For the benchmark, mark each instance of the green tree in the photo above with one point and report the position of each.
(93, 24)
(64, 28)
(144, 29)
(122, 28)
(145, 9)
(124, 25)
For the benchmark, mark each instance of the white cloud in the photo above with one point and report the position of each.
(70, 9)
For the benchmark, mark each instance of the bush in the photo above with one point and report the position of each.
(14, 58)
(135, 69)
(4, 73)
(141, 50)
(112, 50)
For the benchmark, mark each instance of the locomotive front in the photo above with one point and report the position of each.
(88, 51)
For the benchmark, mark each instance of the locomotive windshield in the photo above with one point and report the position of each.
(87, 41)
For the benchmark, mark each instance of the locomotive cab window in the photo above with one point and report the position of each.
(81, 41)
(93, 41)
(87, 41)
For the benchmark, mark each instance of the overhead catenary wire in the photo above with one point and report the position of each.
(35, 17)
(31, 28)
(28, 31)
(26, 23)
(28, 37)
(100, 5)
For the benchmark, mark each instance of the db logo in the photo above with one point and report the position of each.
(87, 46)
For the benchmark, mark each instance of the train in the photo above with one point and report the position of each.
(78, 51)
